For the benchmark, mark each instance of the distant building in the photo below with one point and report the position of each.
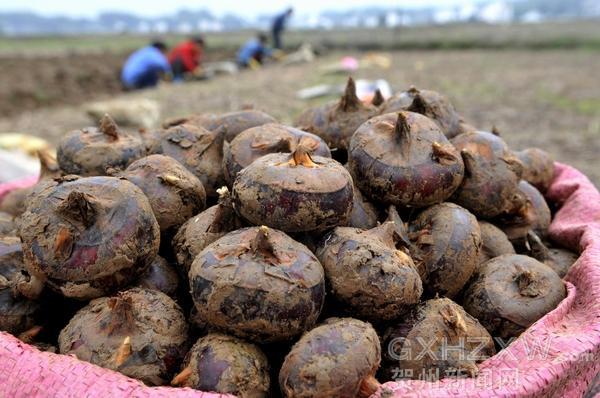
(444, 15)
(467, 12)
(160, 27)
(496, 12)
(393, 19)
(371, 21)
(202, 20)
(533, 16)
(591, 8)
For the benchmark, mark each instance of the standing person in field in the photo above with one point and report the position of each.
(253, 53)
(186, 57)
(145, 66)
(279, 26)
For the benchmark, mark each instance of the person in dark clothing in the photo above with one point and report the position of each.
(279, 26)
(254, 51)
(145, 66)
(186, 57)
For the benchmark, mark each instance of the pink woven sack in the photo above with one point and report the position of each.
(22, 183)
(558, 356)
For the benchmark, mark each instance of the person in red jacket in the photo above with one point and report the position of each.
(186, 57)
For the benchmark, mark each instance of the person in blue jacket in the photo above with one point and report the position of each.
(255, 50)
(145, 66)
(279, 26)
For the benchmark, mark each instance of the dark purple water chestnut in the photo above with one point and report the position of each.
(31, 335)
(428, 103)
(7, 225)
(367, 273)
(235, 122)
(258, 141)
(175, 194)
(141, 333)
(160, 276)
(45, 347)
(510, 292)
(437, 339)
(405, 160)
(152, 140)
(92, 151)
(87, 237)
(198, 150)
(17, 313)
(447, 240)
(466, 127)
(336, 359)
(198, 120)
(205, 228)
(335, 122)
(232, 123)
(533, 216)
(538, 167)
(15, 202)
(494, 242)
(258, 283)
(294, 192)
(227, 365)
(557, 258)
(364, 214)
(378, 98)
(491, 183)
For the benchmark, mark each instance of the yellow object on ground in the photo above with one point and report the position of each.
(253, 64)
(381, 60)
(304, 54)
(23, 142)
(132, 112)
(278, 55)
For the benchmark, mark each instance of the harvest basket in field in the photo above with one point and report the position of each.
(558, 356)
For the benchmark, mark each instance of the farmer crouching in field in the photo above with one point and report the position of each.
(145, 67)
(186, 57)
(253, 53)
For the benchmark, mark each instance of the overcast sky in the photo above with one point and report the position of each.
(242, 7)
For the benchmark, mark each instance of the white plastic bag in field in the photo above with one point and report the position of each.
(131, 112)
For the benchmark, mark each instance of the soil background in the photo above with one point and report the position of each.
(30, 82)
(544, 98)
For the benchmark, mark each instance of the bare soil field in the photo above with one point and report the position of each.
(31, 81)
(567, 34)
(43, 71)
(535, 98)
